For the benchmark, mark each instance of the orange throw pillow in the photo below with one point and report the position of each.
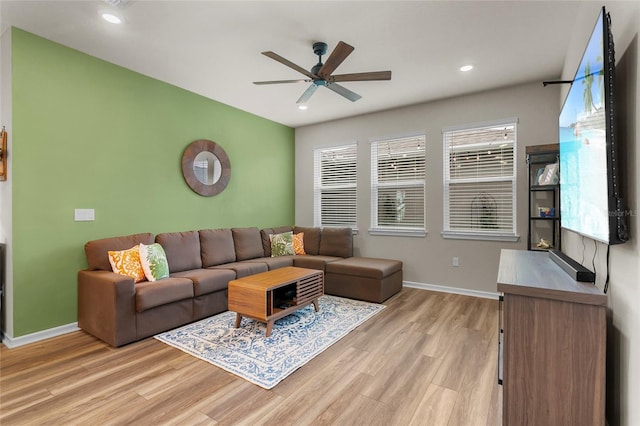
(298, 243)
(127, 262)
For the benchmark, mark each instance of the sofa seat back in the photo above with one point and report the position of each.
(97, 251)
(336, 242)
(216, 247)
(247, 243)
(182, 250)
(266, 240)
(311, 238)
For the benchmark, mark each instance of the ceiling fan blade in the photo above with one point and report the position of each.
(307, 94)
(303, 80)
(338, 55)
(343, 91)
(363, 76)
(288, 63)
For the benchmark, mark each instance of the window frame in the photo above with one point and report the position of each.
(406, 231)
(468, 234)
(318, 188)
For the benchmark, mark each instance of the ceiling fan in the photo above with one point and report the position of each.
(322, 74)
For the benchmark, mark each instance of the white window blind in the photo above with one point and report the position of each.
(398, 186)
(480, 181)
(335, 186)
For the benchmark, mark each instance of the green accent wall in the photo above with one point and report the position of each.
(90, 134)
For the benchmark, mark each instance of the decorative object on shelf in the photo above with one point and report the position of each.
(546, 211)
(206, 167)
(543, 244)
(550, 175)
(3, 154)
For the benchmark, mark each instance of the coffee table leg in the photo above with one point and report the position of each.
(269, 328)
(238, 319)
(315, 305)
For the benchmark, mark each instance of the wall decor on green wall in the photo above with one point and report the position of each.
(119, 155)
(206, 167)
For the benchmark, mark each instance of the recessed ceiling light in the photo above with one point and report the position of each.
(113, 19)
(303, 107)
(466, 68)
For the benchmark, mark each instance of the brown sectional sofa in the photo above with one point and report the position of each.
(201, 263)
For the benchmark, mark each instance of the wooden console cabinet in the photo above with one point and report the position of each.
(554, 343)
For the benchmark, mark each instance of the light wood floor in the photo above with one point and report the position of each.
(428, 359)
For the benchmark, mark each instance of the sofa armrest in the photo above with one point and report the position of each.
(106, 306)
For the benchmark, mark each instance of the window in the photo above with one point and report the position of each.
(397, 186)
(479, 181)
(335, 186)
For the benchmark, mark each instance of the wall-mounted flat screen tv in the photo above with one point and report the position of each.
(590, 202)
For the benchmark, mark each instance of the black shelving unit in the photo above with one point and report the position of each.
(543, 226)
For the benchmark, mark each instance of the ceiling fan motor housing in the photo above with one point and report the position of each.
(319, 48)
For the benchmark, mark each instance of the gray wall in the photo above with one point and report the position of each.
(623, 353)
(428, 259)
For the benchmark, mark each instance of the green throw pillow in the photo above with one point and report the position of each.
(154, 262)
(281, 244)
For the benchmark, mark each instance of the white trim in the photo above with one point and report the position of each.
(399, 232)
(490, 123)
(454, 290)
(14, 342)
(408, 135)
(461, 235)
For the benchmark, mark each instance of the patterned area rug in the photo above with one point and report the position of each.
(265, 361)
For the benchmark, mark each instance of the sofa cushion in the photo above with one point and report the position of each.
(207, 281)
(244, 269)
(152, 294)
(311, 238)
(247, 242)
(154, 262)
(336, 242)
(314, 262)
(127, 262)
(298, 243)
(365, 267)
(216, 246)
(282, 244)
(182, 250)
(97, 251)
(266, 241)
(274, 262)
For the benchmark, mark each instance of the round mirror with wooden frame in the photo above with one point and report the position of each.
(206, 167)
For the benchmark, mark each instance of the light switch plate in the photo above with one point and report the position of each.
(84, 215)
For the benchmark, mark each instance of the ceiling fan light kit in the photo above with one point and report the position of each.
(321, 74)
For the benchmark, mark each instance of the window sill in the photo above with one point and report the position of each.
(398, 232)
(451, 235)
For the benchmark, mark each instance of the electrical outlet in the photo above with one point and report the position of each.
(456, 261)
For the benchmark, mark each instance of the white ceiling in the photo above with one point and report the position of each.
(213, 47)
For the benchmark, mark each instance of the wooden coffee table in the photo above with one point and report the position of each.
(271, 295)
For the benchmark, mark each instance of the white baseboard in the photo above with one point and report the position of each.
(14, 342)
(454, 290)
